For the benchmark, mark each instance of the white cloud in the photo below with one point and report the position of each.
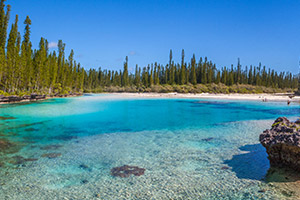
(132, 53)
(52, 45)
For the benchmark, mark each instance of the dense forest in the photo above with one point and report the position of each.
(24, 70)
(193, 73)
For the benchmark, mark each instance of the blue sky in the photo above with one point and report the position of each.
(103, 32)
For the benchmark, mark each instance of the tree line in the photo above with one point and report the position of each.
(193, 72)
(25, 70)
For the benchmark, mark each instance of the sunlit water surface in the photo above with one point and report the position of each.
(190, 148)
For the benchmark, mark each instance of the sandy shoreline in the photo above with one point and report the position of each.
(252, 97)
(242, 97)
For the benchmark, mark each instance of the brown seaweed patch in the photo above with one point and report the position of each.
(28, 125)
(5, 145)
(6, 118)
(19, 160)
(51, 147)
(51, 155)
(125, 171)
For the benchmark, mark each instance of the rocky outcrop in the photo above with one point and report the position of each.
(282, 143)
(32, 97)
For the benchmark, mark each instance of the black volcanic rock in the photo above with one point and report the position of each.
(282, 143)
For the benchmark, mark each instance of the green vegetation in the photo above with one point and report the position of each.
(194, 77)
(24, 70)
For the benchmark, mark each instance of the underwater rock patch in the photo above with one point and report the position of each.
(51, 155)
(282, 143)
(31, 129)
(207, 139)
(6, 118)
(125, 171)
(83, 166)
(51, 147)
(19, 160)
(84, 181)
(5, 145)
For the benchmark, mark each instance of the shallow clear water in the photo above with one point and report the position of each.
(190, 148)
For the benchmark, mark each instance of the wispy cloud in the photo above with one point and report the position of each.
(133, 53)
(52, 45)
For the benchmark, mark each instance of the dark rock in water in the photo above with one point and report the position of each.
(1, 164)
(51, 155)
(282, 143)
(125, 171)
(51, 147)
(225, 167)
(262, 191)
(83, 166)
(207, 139)
(84, 181)
(6, 118)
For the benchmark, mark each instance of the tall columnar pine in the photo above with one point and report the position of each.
(182, 72)
(125, 78)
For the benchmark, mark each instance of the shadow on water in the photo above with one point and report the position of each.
(251, 164)
(254, 164)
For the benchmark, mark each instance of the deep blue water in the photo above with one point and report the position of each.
(81, 117)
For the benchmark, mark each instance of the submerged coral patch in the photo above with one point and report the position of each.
(6, 118)
(31, 129)
(6, 146)
(51, 155)
(19, 160)
(125, 171)
(51, 147)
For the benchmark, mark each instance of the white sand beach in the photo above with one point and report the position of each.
(254, 97)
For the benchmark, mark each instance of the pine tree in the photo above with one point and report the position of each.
(12, 58)
(182, 72)
(26, 57)
(193, 71)
(125, 78)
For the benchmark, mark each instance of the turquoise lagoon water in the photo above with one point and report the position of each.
(190, 148)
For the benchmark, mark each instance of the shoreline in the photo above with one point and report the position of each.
(280, 97)
(39, 99)
(252, 97)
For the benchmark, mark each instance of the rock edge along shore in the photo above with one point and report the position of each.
(282, 143)
(32, 97)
